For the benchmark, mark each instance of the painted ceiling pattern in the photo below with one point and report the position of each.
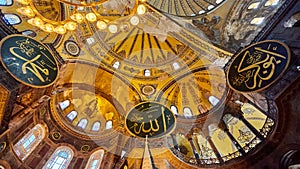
(173, 54)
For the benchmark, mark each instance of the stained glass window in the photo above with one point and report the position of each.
(60, 159)
(29, 142)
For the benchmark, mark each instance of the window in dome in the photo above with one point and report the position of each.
(187, 112)
(108, 124)
(213, 100)
(12, 19)
(30, 141)
(29, 33)
(72, 115)
(254, 5)
(82, 123)
(294, 21)
(5, 2)
(90, 41)
(96, 126)
(210, 7)
(60, 159)
(95, 160)
(174, 109)
(116, 65)
(63, 105)
(176, 66)
(271, 2)
(147, 73)
(257, 21)
(219, 1)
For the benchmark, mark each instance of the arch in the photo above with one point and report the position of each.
(72, 115)
(116, 64)
(60, 159)
(213, 100)
(82, 123)
(63, 105)
(147, 73)
(30, 141)
(109, 124)
(187, 112)
(174, 109)
(6, 2)
(29, 33)
(95, 160)
(96, 126)
(12, 19)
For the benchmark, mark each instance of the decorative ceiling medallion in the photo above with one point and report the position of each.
(150, 119)
(72, 48)
(28, 61)
(258, 66)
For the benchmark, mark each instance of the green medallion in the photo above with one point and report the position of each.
(28, 61)
(150, 119)
(258, 66)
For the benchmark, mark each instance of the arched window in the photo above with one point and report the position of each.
(5, 2)
(60, 159)
(108, 124)
(176, 65)
(29, 33)
(12, 19)
(174, 109)
(30, 141)
(213, 100)
(72, 115)
(95, 160)
(90, 41)
(187, 112)
(82, 123)
(63, 105)
(116, 65)
(96, 126)
(271, 2)
(147, 73)
(257, 21)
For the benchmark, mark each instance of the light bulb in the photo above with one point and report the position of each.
(24, 2)
(38, 22)
(113, 28)
(134, 20)
(78, 17)
(48, 27)
(101, 25)
(60, 29)
(91, 17)
(141, 9)
(27, 11)
(71, 25)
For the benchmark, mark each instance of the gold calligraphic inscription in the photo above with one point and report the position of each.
(150, 119)
(28, 61)
(258, 66)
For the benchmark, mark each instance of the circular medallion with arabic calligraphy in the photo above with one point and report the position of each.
(150, 119)
(258, 66)
(28, 61)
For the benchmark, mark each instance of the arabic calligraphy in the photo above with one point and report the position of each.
(28, 61)
(258, 66)
(150, 119)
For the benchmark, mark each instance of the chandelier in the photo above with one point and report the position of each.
(92, 11)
